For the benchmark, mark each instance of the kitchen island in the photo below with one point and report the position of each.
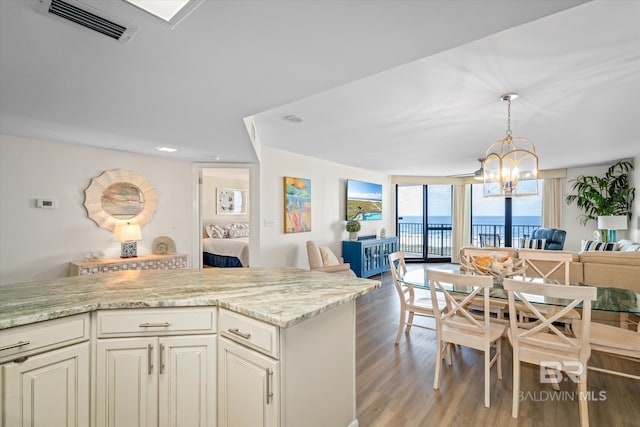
(274, 346)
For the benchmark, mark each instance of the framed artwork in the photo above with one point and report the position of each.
(231, 202)
(297, 205)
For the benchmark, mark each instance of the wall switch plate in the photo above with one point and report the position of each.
(47, 203)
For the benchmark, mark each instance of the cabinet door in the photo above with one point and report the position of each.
(187, 381)
(49, 390)
(127, 382)
(248, 387)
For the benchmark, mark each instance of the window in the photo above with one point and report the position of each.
(501, 222)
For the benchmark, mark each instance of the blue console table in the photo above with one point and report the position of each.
(369, 256)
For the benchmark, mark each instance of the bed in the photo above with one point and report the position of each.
(225, 245)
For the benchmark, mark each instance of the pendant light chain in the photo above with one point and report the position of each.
(509, 116)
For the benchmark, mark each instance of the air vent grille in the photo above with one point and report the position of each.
(88, 17)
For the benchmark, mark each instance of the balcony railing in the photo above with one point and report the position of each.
(410, 237)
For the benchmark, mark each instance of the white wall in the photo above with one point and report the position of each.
(328, 206)
(38, 244)
(215, 179)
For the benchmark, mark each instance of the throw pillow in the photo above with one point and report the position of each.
(328, 257)
(624, 245)
(532, 243)
(592, 245)
(238, 230)
(215, 231)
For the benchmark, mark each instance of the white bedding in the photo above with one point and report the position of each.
(238, 247)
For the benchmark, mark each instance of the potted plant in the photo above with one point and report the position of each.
(353, 226)
(607, 195)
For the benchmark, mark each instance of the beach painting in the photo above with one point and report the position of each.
(297, 205)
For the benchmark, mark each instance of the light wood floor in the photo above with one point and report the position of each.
(395, 383)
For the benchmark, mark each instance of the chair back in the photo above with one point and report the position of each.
(544, 341)
(553, 237)
(398, 268)
(313, 253)
(546, 263)
(458, 313)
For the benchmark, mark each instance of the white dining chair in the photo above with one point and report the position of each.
(460, 325)
(544, 344)
(548, 265)
(410, 305)
(614, 341)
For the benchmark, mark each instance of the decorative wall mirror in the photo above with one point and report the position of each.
(120, 195)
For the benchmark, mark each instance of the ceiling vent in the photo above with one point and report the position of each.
(88, 17)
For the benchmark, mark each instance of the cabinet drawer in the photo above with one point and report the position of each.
(156, 321)
(43, 336)
(251, 332)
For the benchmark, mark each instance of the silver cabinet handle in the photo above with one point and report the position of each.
(150, 358)
(154, 325)
(162, 358)
(18, 344)
(235, 331)
(269, 391)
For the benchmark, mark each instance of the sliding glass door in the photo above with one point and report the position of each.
(424, 221)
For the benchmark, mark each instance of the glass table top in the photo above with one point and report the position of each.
(608, 298)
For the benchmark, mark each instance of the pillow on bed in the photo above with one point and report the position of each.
(237, 230)
(328, 257)
(215, 231)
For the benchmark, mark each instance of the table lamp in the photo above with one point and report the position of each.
(128, 234)
(612, 223)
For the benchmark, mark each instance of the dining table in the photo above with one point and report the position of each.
(609, 299)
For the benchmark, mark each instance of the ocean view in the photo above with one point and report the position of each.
(477, 220)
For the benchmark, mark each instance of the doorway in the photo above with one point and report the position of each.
(212, 181)
(423, 223)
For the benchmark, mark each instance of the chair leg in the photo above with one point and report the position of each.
(487, 376)
(516, 386)
(436, 379)
(449, 359)
(582, 400)
(410, 321)
(400, 326)
(499, 357)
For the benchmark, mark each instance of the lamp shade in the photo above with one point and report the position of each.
(127, 232)
(612, 222)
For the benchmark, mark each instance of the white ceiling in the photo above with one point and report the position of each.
(400, 87)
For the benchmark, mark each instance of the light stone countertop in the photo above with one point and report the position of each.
(280, 296)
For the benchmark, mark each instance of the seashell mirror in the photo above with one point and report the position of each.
(120, 195)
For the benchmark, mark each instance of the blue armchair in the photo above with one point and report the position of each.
(554, 237)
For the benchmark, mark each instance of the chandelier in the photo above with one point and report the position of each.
(510, 164)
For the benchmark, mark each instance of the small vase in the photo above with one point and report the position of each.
(353, 235)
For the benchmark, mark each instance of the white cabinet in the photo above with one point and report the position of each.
(303, 375)
(158, 378)
(45, 388)
(248, 387)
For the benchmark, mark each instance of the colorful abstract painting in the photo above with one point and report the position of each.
(297, 205)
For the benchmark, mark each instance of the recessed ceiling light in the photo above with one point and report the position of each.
(171, 11)
(293, 118)
(167, 149)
